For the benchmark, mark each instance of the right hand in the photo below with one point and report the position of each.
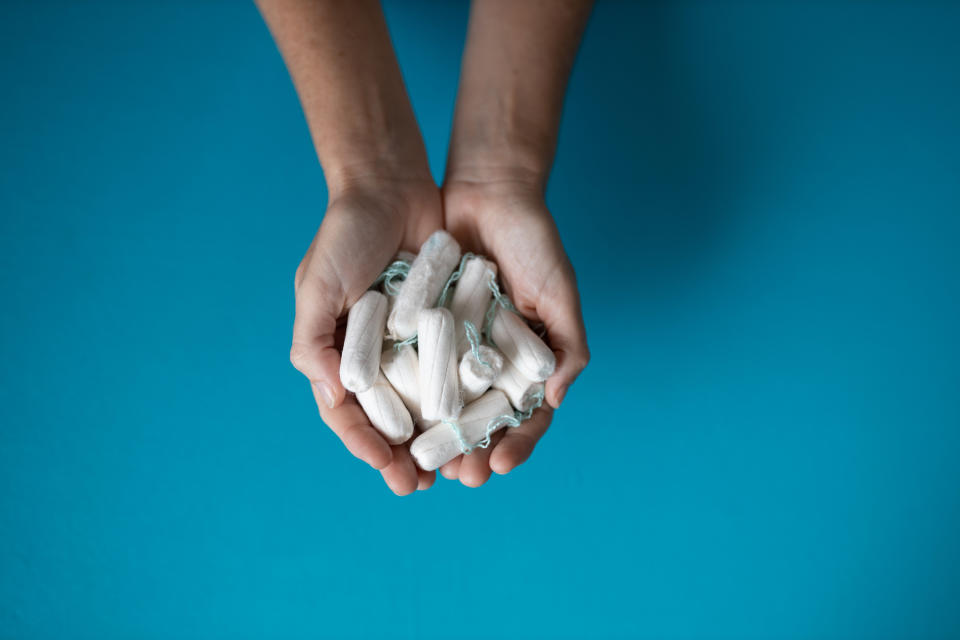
(364, 227)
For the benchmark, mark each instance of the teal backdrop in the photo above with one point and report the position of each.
(762, 202)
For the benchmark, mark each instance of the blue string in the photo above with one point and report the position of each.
(474, 339)
(500, 299)
(442, 300)
(509, 421)
(411, 341)
(537, 397)
(464, 447)
(395, 272)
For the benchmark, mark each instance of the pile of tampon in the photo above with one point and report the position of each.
(436, 346)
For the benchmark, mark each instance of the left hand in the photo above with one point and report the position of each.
(507, 220)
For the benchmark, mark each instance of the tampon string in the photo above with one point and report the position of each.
(474, 337)
(509, 421)
(395, 273)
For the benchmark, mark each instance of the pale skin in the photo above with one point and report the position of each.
(382, 197)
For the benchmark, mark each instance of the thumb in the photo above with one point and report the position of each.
(558, 305)
(313, 352)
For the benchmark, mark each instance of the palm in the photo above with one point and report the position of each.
(517, 231)
(359, 236)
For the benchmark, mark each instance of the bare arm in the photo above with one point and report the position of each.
(381, 195)
(346, 74)
(515, 69)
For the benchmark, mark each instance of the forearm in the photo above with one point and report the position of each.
(514, 75)
(346, 74)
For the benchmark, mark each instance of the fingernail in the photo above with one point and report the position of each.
(561, 392)
(327, 393)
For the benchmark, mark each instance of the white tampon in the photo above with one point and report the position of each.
(439, 388)
(402, 370)
(429, 272)
(405, 256)
(471, 297)
(360, 360)
(521, 346)
(521, 391)
(440, 444)
(386, 411)
(475, 376)
(391, 300)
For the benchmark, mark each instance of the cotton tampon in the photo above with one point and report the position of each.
(360, 360)
(386, 411)
(521, 346)
(391, 301)
(401, 367)
(471, 297)
(428, 274)
(521, 391)
(405, 256)
(475, 376)
(440, 444)
(439, 387)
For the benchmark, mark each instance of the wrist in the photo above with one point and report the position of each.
(393, 193)
(375, 137)
(518, 165)
(377, 151)
(359, 173)
(498, 136)
(487, 190)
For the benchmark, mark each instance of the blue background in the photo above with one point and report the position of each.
(761, 201)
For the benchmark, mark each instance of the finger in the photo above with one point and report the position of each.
(352, 426)
(425, 479)
(518, 442)
(314, 352)
(475, 468)
(401, 474)
(559, 307)
(451, 470)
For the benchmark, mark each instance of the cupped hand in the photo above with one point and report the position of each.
(364, 227)
(507, 220)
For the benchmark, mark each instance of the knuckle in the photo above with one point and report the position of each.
(581, 359)
(299, 354)
(352, 432)
(302, 272)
